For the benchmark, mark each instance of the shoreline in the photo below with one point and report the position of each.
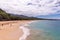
(13, 30)
(26, 31)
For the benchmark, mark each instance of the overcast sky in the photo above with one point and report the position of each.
(32, 7)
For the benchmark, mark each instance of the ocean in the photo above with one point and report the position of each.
(44, 30)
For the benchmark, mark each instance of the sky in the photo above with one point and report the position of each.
(36, 8)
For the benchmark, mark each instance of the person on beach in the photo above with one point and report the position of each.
(2, 24)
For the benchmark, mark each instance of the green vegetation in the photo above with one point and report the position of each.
(7, 16)
(3, 15)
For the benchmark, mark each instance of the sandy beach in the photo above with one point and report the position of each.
(9, 30)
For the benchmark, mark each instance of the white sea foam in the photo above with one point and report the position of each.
(26, 31)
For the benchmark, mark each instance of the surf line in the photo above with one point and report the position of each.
(26, 32)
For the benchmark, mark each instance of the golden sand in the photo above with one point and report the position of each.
(9, 30)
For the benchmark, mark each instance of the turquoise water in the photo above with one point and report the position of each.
(45, 30)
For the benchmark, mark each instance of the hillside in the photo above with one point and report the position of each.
(3, 15)
(7, 16)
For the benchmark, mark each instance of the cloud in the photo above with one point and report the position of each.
(31, 7)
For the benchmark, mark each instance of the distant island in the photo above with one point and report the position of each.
(7, 16)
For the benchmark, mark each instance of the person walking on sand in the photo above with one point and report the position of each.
(2, 24)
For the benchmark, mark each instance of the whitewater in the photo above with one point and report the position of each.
(26, 32)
